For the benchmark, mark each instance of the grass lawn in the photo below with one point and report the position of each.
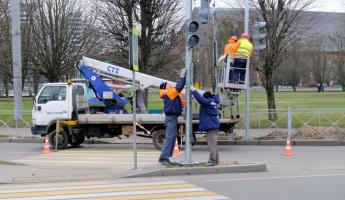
(297, 100)
(325, 109)
(258, 104)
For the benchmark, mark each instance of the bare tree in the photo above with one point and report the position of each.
(159, 22)
(61, 34)
(339, 42)
(292, 70)
(320, 63)
(5, 46)
(283, 21)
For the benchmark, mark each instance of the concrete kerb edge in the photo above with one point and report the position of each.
(318, 143)
(22, 140)
(182, 171)
(231, 142)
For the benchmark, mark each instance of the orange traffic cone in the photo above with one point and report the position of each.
(176, 150)
(46, 149)
(288, 150)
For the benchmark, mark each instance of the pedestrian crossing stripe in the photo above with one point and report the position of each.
(105, 190)
(78, 162)
(55, 184)
(92, 158)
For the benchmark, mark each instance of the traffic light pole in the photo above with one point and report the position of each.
(246, 29)
(188, 62)
(17, 59)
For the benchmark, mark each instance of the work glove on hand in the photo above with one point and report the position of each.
(183, 73)
(192, 88)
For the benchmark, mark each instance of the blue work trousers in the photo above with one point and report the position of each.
(170, 137)
(239, 73)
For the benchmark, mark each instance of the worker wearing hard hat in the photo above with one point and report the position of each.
(172, 109)
(244, 52)
(231, 47)
(244, 46)
(229, 53)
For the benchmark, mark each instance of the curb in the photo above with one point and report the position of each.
(22, 140)
(318, 143)
(274, 142)
(220, 142)
(182, 171)
(247, 142)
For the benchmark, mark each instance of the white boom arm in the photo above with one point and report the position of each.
(145, 80)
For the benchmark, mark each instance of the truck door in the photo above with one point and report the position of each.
(51, 103)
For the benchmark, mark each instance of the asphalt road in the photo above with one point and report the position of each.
(316, 173)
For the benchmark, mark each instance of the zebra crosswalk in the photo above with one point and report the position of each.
(92, 158)
(108, 190)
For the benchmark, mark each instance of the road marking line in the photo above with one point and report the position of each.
(80, 158)
(275, 177)
(185, 195)
(92, 155)
(97, 190)
(38, 185)
(218, 197)
(109, 194)
(20, 152)
(78, 162)
(55, 188)
(85, 152)
(83, 156)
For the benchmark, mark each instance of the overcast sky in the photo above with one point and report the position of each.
(320, 5)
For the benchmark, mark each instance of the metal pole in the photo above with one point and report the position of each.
(188, 61)
(215, 50)
(289, 122)
(134, 121)
(246, 16)
(246, 29)
(134, 107)
(17, 59)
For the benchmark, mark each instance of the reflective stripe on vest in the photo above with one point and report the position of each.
(245, 49)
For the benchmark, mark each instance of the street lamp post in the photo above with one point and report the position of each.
(246, 29)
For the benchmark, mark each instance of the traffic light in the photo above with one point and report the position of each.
(259, 37)
(192, 34)
(204, 11)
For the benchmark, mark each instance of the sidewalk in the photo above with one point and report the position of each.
(102, 163)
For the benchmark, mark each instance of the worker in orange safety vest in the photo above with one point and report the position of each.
(231, 47)
(173, 104)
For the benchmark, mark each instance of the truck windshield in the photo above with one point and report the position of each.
(52, 93)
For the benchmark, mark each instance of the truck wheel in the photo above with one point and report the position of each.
(78, 140)
(158, 138)
(62, 139)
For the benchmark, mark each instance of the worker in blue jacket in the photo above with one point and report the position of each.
(172, 109)
(209, 122)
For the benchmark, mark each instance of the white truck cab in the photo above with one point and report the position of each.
(56, 101)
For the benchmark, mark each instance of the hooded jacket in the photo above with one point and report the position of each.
(209, 116)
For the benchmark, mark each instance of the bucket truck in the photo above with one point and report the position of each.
(63, 112)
